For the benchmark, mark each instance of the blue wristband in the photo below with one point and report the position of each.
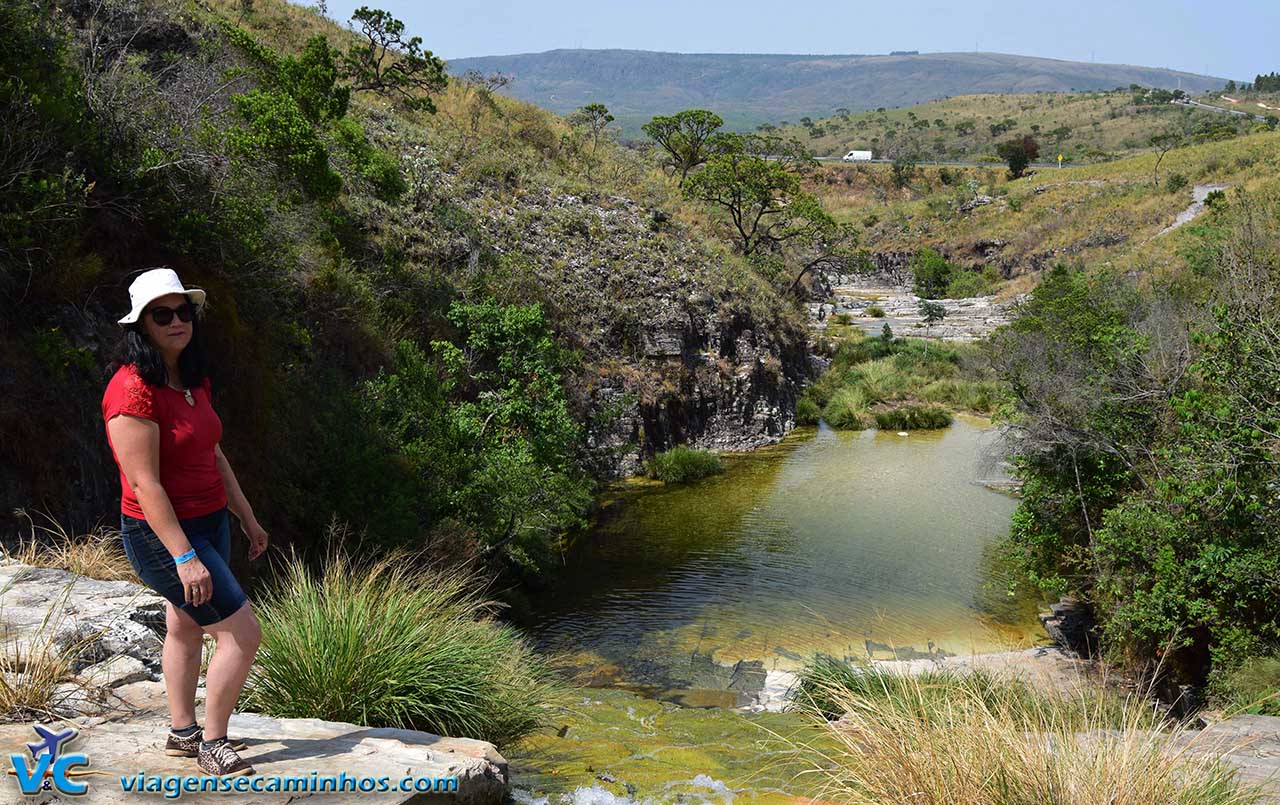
(191, 554)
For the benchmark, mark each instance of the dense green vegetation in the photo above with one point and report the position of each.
(898, 384)
(389, 643)
(1146, 433)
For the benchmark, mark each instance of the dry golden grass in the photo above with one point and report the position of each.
(98, 554)
(31, 672)
(942, 739)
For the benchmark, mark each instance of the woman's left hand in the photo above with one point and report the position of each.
(257, 539)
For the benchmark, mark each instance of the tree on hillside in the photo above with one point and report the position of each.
(1018, 153)
(594, 119)
(388, 64)
(1163, 142)
(590, 125)
(479, 88)
(688, 137)
(757, 182)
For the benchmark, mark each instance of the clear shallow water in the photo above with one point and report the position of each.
(850, 543)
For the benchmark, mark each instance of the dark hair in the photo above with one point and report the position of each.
(136, 349)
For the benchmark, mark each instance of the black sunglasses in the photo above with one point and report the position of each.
(163, 315)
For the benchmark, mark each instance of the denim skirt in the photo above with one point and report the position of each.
(210, 536)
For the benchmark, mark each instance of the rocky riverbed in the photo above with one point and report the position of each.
(869, 302)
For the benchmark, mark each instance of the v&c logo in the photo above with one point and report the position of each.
(50, 767)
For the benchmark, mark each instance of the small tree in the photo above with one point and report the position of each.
(591, 125)
(1018, 153)
(388, 64)
(932, 312)
(688, 137)
(886, 332)
(903, 168)
(1163, 142)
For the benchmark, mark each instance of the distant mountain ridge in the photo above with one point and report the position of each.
(747, 89)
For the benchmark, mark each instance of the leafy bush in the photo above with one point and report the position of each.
(932, 273)
(681, 464)
(388, 643)
(1175, 182)
(278, 131)
(913, 417)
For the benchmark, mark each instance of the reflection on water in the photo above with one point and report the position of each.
(844, 542)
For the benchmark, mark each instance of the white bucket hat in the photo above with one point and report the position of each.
(153, 284)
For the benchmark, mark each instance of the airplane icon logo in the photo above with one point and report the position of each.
(52, 743)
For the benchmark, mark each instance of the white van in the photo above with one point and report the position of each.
(857, 156)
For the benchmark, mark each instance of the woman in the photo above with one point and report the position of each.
(176, 487)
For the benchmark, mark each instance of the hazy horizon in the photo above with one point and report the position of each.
(1234, 39)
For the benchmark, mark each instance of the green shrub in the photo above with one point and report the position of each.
(388, 643)
(807, 411)
(1175, 182)
(932, 273)
(875, 311)
(682, 463)
(965, 284)
(847, 409)
(277, 130)
(843, 318)
(913, 417)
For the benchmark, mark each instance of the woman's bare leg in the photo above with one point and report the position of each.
(180, 662)
(238, 637)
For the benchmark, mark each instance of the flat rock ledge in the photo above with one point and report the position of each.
(289, 747)
(115, 699)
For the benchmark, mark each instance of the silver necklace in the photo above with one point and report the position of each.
(186, 393)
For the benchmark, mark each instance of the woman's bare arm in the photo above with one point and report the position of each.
(137, 446)
(239, 505)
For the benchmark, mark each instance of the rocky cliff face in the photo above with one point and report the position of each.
(680, 343)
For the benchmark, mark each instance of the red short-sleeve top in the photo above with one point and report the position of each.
(188, 435)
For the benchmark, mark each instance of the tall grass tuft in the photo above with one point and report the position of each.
(390, 643)
(982, 739)
(847, 408)
(913, 417)
(98, 554)
(681, 464)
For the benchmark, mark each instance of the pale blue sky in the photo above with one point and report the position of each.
(1231, 38)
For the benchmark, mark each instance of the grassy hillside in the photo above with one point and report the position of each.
(1083, 127)
(749, 89)
(1110, 212)
(439, 328)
